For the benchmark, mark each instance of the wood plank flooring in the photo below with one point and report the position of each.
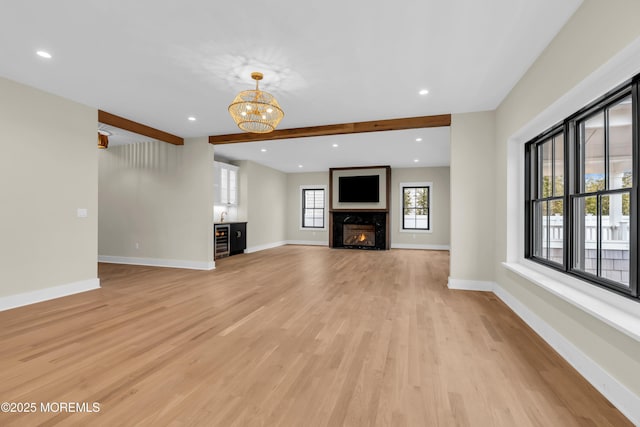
(293, 336)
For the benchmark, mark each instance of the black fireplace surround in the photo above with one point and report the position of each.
(378, 219)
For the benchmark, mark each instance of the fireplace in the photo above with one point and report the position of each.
(360, 235)
(358, 219)
(359, 230)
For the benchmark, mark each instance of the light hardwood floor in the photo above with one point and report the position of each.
(293, 336)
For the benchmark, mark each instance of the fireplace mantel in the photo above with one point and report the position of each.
(357, 210)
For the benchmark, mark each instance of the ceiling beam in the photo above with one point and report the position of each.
(338, 129)
(135, 127)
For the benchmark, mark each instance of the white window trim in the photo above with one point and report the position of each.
(617, 311)
(301, 206)
(401, 212)
(218, 167)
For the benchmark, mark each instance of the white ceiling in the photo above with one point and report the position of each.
(398, 149)
(159, 62)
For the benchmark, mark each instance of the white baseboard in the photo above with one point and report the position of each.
(19, 300)
(264, 247)
(470, 285)
(308, 242)
(617, 393)
(157, 262)
(416, 246)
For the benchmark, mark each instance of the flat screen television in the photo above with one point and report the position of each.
(359, 189)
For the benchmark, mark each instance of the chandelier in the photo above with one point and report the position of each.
(256, 111)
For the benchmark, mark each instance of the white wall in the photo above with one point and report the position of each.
(472, 196)
(439, 237)
(595, 34)
(155, 202)
(263, 204)
(48, 169)
(294, 208)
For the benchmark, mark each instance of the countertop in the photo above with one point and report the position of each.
(229, 222)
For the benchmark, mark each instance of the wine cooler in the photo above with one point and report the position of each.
(221, 240)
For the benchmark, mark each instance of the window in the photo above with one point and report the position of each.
(548, 198)
(416, 206)
(225, 184)
(313, 207)
(581, 193)
(601, 204)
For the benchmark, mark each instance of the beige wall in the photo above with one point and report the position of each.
(159, 197)
(596, 32)
(472, 196)
(243, 190)
(263, 204)
(438, 238)
(294, 207)
(440, 207)
(48, 169)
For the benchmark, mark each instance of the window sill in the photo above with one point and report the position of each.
(409, 230)
(616, 311)
(312, 229)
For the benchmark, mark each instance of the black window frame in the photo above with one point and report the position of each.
(305, 208)
(404, 207)
(535, 195)
(573, 189)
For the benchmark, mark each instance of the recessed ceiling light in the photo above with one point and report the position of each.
(423, 92)
(191, 119)
(299, 166)
(418, 139)
(416, 160)
(335, 145)
(43, 54)
(264, 150)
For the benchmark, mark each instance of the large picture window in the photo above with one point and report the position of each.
(581, 193)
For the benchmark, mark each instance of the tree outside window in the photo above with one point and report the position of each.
(416, 207)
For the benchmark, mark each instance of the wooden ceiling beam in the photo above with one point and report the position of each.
(139, 128)
(338, 129)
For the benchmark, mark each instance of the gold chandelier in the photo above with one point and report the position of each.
(256, 111)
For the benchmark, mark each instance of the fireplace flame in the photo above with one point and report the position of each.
(358, 235)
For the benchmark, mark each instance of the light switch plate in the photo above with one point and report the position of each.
(82, 213)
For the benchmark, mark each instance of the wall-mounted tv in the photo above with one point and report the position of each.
(359, 189)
